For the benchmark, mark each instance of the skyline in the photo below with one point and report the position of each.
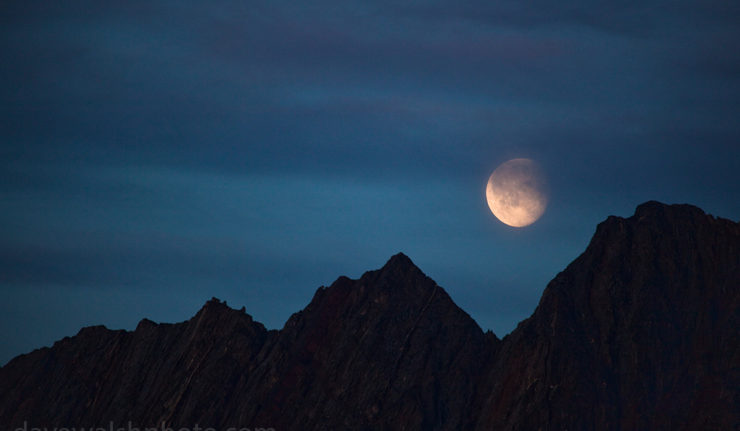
(157, 155)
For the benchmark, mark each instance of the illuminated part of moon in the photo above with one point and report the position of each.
(517, 192)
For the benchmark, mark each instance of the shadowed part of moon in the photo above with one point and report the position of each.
(517, 192)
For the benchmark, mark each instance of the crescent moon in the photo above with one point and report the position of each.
(517, 192)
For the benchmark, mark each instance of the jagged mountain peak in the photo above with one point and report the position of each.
(401, 274)
(673, 252)
(625, 323)
(398, 288)
(397, 285)
(216, 309)
(400, 262)
(215, 305)
(366, 339)
(639, 332)
(658, 216)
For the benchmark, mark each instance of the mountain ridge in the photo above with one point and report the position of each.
(638, 332)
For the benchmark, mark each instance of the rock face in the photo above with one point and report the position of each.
(639, 332)
(158, 373)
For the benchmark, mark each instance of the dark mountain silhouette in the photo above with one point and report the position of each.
(639, 332)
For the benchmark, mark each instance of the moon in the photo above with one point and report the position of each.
(517, 192)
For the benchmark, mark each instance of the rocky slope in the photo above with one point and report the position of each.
(639, 332)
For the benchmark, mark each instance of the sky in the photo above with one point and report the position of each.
(156, 154)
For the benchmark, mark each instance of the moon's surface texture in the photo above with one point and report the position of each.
(517, 192)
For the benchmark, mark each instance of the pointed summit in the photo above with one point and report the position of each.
(399, 260)
(365, 338)
(400, 268)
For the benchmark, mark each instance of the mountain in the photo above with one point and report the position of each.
(639, 332)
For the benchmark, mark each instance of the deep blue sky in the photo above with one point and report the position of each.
(155, 154)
